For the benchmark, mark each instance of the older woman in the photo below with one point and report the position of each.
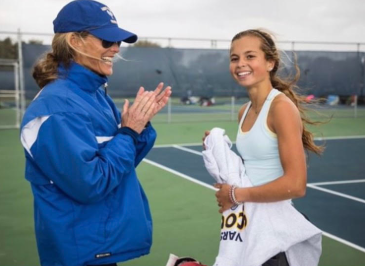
(81, 152)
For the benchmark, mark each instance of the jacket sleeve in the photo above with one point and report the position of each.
(67, 151)
(145, 143)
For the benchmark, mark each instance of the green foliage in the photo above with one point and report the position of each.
(34, 41)
(8, 50)
(146, 43)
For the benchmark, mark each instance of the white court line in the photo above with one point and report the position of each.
(187, 149)
(341, 137)
(336, 193)
(181, 144)
(343, 241)
(311, 185)
(179, 174)
(337, 182)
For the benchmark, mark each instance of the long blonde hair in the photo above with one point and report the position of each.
(45, 70)
(285, 85)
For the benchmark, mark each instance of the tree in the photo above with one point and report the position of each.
(146, 43)
(34, 41)
(8, 50)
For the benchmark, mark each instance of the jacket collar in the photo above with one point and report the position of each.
(83, 77)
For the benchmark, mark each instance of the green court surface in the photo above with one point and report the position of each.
(185, 215)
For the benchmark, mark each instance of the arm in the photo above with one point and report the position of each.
(145, 141)
(67, 152)
(147, 136)
(284, 119)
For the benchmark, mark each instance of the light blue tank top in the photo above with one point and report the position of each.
(259, 146)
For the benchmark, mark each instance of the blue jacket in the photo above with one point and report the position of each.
(89, 207)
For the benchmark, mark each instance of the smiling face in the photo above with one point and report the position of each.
(248, 65)
(92, 55)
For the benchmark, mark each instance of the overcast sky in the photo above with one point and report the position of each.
(290, 20)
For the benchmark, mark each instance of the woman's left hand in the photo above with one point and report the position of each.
(222, 195)
(162, 97)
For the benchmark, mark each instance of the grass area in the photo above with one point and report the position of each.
(192, 132)
(222, 111)
(186, 221)
(17, 240)
(7, 117)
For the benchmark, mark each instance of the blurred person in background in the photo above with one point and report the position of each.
(81, 151)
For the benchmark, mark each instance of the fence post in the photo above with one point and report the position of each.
(21, 74)
(17, 98)
(213, 44)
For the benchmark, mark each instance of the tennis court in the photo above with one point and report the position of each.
(336, 185)
(186, 218)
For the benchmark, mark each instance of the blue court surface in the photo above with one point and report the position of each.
(335, 199)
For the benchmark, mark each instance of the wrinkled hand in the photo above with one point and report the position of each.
(162, 97)
(206, 133)
(142, 110)
(222, 196)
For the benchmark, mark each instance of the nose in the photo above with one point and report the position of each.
(242, 62)
(115, 47)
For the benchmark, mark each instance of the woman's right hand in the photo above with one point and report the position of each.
(223, 198)
(206, 133)
(142, 110)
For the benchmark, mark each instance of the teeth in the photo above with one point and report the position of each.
(243, 73)
(107, 59)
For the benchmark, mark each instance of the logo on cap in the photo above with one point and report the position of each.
(110, 13)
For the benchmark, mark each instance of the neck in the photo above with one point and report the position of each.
(258, 96)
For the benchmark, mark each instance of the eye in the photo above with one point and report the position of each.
(234, 59)
(250, 56)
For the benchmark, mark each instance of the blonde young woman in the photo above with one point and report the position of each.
(272, 137)
(81, 151)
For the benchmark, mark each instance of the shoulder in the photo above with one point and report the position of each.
(60, 86)
(241, 111)
(282, 105)
(58, 96)
(284, 113)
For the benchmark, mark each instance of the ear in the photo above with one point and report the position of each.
(75, 41)
(270, 65)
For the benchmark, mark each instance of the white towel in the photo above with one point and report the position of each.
(252, 233)
(222, 164)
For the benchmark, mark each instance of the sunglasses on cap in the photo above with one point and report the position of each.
(107, 44)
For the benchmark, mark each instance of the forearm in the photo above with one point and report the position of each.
(283, 188)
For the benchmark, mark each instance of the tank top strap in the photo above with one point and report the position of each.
(244, 115)
(266, 107)
(273, 93)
